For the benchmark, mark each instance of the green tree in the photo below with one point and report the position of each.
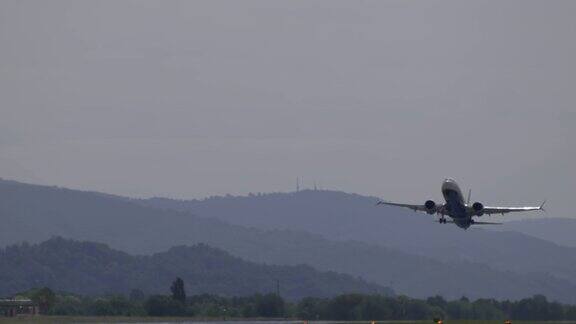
(487, 309)
(570, 313)
(178, 291)
(310, 308)
(137, 295)
(460, 309)
(45, 298)
(158, 305)
(344, 307)
(375, 308)
(437, 301)
(68, 305)
(101, 307)
(270, 305)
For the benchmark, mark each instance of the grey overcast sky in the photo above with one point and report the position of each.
(190, 99)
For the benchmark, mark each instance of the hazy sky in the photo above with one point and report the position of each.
(195, 98)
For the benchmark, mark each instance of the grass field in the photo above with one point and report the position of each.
(72, 319)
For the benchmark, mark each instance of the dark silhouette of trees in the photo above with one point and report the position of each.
(45, 298)
(347, 307)
(270, 305)
(159, 305)
(178, 291)
(357, 307)
(137, 295)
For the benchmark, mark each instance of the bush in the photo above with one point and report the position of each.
(159, 305)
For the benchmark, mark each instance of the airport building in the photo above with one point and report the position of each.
(12, 307)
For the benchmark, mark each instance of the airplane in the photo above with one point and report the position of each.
(461, 212)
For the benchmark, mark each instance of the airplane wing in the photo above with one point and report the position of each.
(413, 207)
(504, 210)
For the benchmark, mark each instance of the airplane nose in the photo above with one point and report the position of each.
(448, 183)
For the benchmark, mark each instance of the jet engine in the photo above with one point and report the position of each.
(430, 207)
(478, 208)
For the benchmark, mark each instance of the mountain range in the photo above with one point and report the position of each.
(342, 216)
(328, 230)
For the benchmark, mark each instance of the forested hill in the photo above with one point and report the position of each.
(35, 213)
(95, 269)
(344, 216)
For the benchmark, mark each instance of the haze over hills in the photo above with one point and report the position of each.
(561, 231)
(343, 216)
(95, 269)
(35, 213)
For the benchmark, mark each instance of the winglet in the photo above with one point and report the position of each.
(542, 206)
(379, 202)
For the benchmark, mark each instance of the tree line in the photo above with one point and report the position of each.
(347, 307)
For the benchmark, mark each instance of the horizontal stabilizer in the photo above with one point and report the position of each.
(485, 223)
(475, 223)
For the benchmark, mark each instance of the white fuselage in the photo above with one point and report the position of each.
(455, 206)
